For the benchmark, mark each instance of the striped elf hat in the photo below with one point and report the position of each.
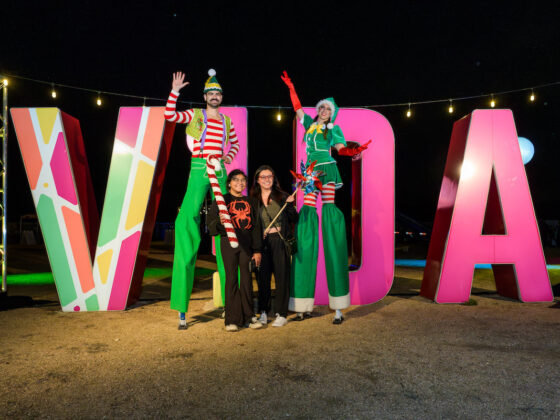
(212, 82)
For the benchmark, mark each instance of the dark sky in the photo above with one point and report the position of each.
(397, 51)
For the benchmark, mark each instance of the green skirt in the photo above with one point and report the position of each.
(329, 174)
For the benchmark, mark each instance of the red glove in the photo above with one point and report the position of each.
(346, 151)
(293, 95)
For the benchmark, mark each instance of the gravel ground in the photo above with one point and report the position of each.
(402, 357)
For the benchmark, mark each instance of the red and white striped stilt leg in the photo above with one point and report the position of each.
(328, 193)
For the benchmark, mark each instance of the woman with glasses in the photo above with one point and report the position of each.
(275, 258)
(244, 218)
(321, 134)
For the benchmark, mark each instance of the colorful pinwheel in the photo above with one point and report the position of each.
(308, 179)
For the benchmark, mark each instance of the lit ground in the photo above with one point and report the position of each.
(402, 357)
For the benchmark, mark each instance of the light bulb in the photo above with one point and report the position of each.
(279, 117)
(450, 109)
(5, 81)
(98, 101)
(532, 97)
(53, 93)
(492, 103)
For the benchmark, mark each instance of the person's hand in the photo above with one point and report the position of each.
(228, 160)
(178, 81)
(257, 258)
(290, 199)
(355, 153)
(222, 219)
(286, 79)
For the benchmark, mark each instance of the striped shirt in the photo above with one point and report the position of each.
(213, 145)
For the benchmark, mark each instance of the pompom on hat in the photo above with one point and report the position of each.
(212, 82)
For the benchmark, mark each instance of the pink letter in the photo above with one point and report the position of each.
(485, 215)
(371, 282)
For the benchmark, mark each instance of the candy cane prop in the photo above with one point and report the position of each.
(211, 164)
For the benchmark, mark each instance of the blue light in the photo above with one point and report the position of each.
(527, 149)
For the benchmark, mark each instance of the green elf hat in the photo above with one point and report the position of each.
(334, 109)
(212, 82)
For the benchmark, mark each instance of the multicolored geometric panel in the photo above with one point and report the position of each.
(44, 136)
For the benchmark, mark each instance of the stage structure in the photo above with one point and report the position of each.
(485, 215)
(4, 191)
(373, 204)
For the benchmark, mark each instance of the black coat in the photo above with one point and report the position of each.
(287, 220)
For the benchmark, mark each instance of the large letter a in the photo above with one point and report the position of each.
(485, 189)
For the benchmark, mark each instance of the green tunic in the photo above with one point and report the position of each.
(318, 148)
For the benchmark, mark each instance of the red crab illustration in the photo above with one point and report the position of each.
(240, 211)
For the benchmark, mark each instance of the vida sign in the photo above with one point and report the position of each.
(484, 215)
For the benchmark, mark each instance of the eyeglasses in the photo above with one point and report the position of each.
(263, 177)
(239, 180)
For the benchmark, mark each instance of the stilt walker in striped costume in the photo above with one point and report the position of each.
(208, 133)
(321, 134)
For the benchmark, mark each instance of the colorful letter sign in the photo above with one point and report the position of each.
(485, 215)
(373, 279)
(54, 157)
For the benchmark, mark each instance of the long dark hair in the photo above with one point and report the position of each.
(276, 194)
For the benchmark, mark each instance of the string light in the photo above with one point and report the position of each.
(532, 97)
(450, 109)
(278, 116)
(53, 92)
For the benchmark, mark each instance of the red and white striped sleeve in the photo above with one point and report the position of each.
(234, 143)
(183, 117)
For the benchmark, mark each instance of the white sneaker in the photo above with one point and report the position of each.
(255, 324)
(263, 318)
(232, 327)
(280, 321)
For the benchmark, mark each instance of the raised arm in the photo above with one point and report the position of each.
(171, 114)
(293, 95)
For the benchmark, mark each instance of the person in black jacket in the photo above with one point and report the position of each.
(245, 220)
(275, 259)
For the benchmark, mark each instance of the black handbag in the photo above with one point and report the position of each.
(290, 244)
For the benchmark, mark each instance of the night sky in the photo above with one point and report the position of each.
(397, 52)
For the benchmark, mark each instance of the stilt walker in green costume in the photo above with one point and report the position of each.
(321, 134)
(208, 133)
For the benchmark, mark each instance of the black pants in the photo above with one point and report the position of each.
(239, 295)
(274, 260)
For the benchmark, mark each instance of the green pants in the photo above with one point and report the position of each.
(304, 262)
(187, 235)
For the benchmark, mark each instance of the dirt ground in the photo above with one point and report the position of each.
(402, 357)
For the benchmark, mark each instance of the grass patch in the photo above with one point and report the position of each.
(42, 279)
